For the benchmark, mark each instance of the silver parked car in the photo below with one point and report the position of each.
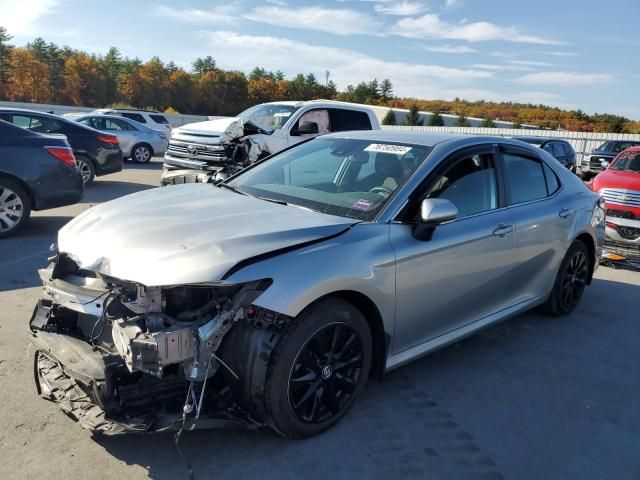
(138, 142)
(271, 298)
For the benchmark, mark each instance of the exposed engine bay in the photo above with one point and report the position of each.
(120, 356)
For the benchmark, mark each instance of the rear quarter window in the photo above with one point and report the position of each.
(159, 119)
(134, 116)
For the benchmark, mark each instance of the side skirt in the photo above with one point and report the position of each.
(401, 358)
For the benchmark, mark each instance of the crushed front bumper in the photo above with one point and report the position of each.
(622, 241)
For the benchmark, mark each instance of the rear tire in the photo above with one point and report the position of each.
(319, 366)
(570, 281)
(141, 153)
(15, 207)
(87, 170)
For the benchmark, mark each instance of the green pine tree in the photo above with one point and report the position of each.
(413, 117)
(436, 120)
(390, 118)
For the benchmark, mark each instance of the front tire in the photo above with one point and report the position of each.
(570, 282)
(319, 366)
(15, 207)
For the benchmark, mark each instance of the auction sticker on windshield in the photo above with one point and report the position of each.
(384, 148)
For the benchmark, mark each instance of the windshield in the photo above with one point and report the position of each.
(615, 147)
(269, 117)
(337, 176)
(627, 161)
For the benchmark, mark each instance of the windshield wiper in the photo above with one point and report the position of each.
(273, 200)
(232, 188)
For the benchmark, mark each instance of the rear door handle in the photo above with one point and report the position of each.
(564, 213)
(502, 230)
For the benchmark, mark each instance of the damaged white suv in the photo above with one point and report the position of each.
(214, 149)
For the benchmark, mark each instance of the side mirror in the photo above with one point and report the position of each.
(433, 212)
(604, 164)
(306, 128)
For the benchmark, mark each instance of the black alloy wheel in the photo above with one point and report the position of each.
(574, 279)
(325, 373)
(571, 280)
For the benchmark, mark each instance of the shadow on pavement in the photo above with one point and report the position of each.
(105, 190)
(533, 387)
(27, 251)
(154, 164)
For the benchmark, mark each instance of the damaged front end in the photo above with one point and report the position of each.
(119, 356)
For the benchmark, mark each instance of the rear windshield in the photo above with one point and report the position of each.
(159, 118)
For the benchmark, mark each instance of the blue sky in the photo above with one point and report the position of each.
(569, 53)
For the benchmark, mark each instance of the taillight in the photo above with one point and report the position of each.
(64, 154)
(108, 139)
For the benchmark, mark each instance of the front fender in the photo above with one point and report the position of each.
(360, 260)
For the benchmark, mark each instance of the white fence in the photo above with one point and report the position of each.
(176, 120)
(582, 142)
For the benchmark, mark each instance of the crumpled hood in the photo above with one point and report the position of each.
(222, 127)
(186, 233)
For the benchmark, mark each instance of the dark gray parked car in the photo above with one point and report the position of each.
(37, 172)
(97, 153)
(561, 150)
(271, 298)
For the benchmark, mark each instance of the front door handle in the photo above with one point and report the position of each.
(564, 213)
(502, 230)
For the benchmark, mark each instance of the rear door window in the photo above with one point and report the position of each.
(558, 151)
(36, 123)
(524, 177)
(345, 120)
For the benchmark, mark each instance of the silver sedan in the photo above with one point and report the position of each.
(137, 141)
(271, 299)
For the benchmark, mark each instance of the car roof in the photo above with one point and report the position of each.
(538, 140)
(321, 103)
(26, 110)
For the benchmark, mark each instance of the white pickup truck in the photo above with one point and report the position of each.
(214, 149)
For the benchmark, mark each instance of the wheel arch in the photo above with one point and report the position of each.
(24, 186)
(372, 315)
(590, 243)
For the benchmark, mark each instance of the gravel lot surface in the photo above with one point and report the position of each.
(535, 397)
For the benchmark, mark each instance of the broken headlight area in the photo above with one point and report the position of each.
(120, 356)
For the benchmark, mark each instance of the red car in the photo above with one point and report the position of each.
(619, 186)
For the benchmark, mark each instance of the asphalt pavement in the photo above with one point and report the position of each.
(536, 397)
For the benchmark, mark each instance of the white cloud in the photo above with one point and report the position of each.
(569, 79)
(494, 67)
(558, 54)
(403, 8)
(431, 26)
(339, 21)
(450, 49)
(451, 3)
(20, 16)
(346, 66)
(216, 15)
(531, 63)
